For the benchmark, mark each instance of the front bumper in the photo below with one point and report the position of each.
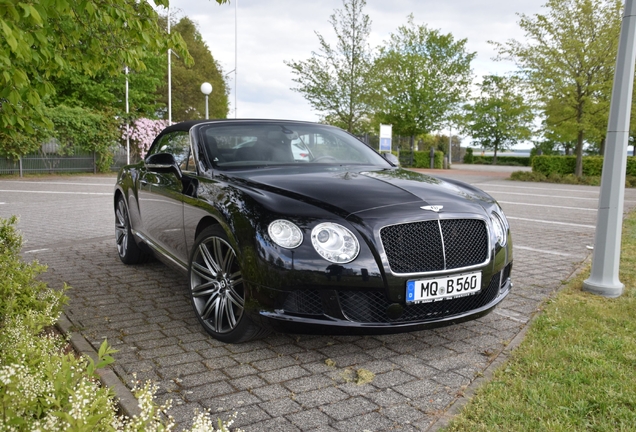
(369, 312)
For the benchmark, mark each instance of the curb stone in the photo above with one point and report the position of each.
(126, 400)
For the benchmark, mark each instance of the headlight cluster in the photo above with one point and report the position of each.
(285, 234)
(335, 243)
(500, 226)
(332, 241)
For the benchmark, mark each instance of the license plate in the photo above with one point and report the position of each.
(442, 288)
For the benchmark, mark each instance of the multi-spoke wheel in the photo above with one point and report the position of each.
(217, 289)
(128, 251)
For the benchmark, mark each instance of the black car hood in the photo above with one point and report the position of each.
(354, 190)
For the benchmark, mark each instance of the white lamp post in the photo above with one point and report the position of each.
(206, 89)
(127, 123)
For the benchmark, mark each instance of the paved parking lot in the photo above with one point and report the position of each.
(284, 382)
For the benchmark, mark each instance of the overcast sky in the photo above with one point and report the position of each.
(274, 31)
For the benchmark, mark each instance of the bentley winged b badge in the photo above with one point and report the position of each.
(435, 208)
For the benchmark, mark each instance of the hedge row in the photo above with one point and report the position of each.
(503, 160)
(592, 165)
(421, 159)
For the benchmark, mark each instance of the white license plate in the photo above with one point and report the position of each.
(442, 288)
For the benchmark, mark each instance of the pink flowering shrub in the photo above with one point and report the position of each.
(143, 131)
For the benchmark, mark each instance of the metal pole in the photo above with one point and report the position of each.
(127, 123)
(169, 75)
(20, 165)
(603, 278)
(450, 146)
(207, 115)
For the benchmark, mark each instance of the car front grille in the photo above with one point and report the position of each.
(371, 307)
(435, 245)
(304, 302)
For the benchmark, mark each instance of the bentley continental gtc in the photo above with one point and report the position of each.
(301, 227)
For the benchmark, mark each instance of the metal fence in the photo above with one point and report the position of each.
(74, 161)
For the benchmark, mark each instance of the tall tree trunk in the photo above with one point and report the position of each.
(578, 170)
(494, 159)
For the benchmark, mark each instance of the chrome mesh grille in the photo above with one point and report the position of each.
(433, 245)
(370, 307)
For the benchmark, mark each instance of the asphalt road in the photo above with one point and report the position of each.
(283, 382)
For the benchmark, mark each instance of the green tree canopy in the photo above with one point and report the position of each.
(44, 39)
(106, 91)
(499, 117)
(188, 103)
(335, 80)
(569, 59)
(421, 75)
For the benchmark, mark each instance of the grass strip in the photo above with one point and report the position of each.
(576, 369)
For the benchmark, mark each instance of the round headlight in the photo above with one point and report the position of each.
(285, 234)
(335, 243)
(499, 227)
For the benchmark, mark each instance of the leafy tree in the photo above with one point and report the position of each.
(188, 103)
(499, 117)
(335, 80)
(420, 76)
(41, 39)
(569, 60)
(105, 91)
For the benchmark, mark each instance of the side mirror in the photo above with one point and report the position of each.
(391, 158)
(163, 163)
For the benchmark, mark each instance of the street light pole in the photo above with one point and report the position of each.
(169, 75)
(603, 278)
(127, 123)
(206, 89)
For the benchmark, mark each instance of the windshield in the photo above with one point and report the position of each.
(259, 144)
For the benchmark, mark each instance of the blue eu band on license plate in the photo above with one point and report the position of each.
(443, 288)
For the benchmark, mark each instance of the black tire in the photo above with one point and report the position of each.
(127, 249)
(217, 290)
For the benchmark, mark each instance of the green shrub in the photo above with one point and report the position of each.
(529, 176)
(503, 160)
(41, 386)
(592, 165)
(438, 162)
(468, 157)
(20, 291)
(421, 159)
(533, 176)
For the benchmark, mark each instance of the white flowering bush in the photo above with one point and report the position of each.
(43, 387)
(142, 132)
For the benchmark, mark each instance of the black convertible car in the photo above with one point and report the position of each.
(302, 227)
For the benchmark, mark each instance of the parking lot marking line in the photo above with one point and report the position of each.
(490, 186)
(552, 222)
(538, 188)
(547, 205)
(542, 251)
(59, 192)
(35, 250)
(548, 196)
(57, 183)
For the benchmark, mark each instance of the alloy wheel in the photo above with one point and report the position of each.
(216, 285)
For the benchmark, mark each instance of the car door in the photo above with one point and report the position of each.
(161, 197)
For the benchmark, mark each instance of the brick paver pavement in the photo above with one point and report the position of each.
(284, 382)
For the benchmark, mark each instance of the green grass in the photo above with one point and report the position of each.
(575, 370)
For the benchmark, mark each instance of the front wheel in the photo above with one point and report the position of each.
(217, 289)
(127, 249)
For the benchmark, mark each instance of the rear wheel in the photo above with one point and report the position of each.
(127, 249)
(217, 289)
